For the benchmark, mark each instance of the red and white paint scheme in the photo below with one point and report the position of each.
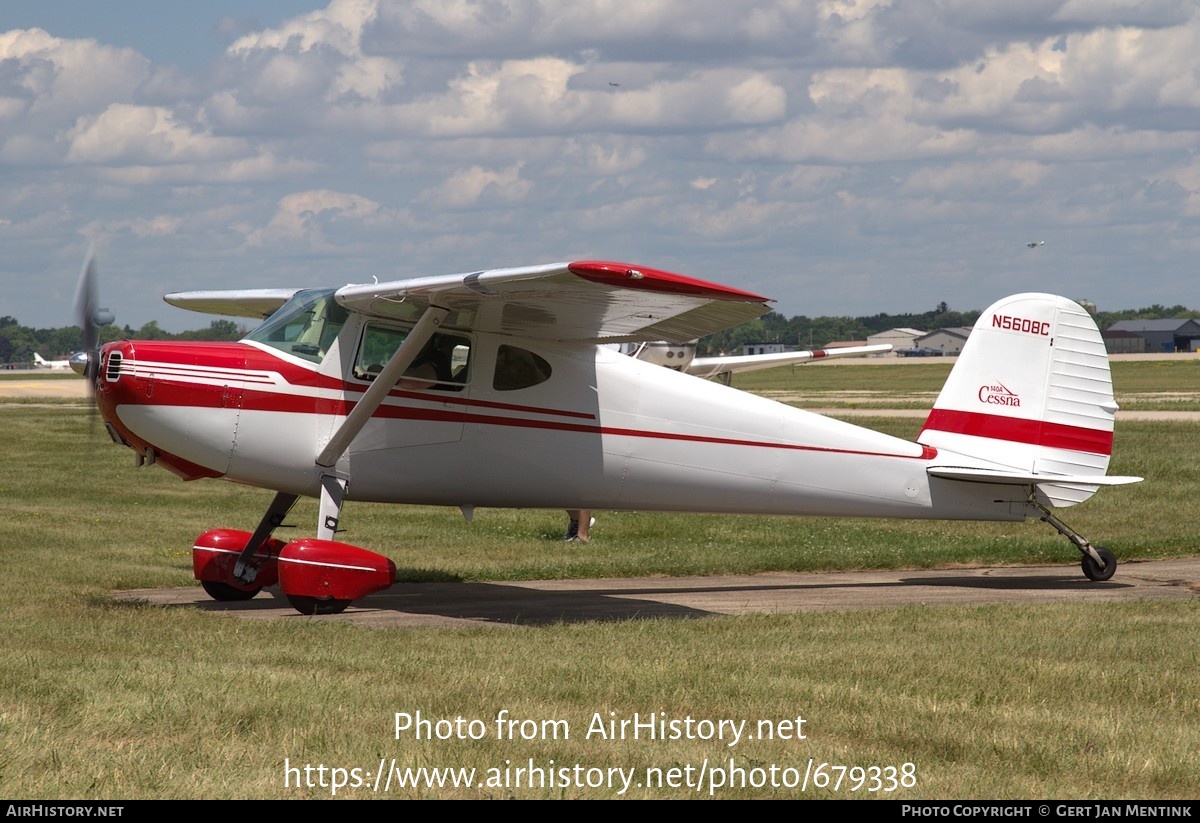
(504, 388)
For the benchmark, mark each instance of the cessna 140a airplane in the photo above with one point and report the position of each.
(499, 389)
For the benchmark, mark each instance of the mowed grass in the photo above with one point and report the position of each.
(114, 701)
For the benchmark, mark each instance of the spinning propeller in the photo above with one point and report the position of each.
(91, 318)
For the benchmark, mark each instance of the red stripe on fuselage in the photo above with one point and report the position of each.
(167, 365)
(1015, 430)
(274, 402)
(170, 391)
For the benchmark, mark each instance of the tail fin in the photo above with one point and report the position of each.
(37, 358)
(1029, 400)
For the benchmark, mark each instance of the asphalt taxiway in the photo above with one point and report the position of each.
(542, 602)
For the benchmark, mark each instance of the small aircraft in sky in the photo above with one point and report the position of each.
(1033, 244)
(503, 388)
(42, 363)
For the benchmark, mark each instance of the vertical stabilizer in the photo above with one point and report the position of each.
(1030, 393)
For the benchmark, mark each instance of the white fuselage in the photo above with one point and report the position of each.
(604, 431)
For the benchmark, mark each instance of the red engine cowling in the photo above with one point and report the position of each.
(216, 551)
(328, 570)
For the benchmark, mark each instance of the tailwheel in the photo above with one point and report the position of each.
(226, 593)
(317, 605)
(1099, 564)
(1092, 570)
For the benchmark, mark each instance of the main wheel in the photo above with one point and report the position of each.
(1093, 572)
(315, 605)
(227, 593)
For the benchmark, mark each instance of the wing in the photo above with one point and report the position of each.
(712, 366)
(583, 301)
(258, 303)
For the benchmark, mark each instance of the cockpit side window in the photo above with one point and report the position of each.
(305, 326)
(442, 365)
(518, 368)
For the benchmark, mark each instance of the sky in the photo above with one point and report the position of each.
(842, 157)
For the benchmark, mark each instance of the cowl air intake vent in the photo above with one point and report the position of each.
(112, 369)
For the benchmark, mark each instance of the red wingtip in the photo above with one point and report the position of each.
(639, 277)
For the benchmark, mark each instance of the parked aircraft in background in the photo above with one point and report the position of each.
(682, 357)
(50, 364)
(499, 388)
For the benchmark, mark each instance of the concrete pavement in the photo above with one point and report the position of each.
(542, 602)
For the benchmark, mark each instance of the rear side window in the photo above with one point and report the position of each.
(518, 368)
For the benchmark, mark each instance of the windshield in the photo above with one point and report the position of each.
(305, 326)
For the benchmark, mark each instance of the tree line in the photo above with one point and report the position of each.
(817, 332)
(18, 343)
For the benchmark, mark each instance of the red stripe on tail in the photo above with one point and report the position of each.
(1014, 430)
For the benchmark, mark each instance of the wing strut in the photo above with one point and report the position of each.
(374, 396)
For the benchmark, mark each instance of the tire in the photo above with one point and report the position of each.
(1093, 572)
(226, 593)
(314, 605)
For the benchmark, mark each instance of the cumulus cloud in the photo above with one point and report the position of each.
(160, 225)
(307, 216)
(125, 133)
(534, 129)
(609, 158)
(315, 57)
(652, 30)
(57, 78)
(471, 186)
(338, 26)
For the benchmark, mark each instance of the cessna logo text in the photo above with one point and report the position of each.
(998, 395)
(1003, 321)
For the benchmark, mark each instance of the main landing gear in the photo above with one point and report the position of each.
(1098, 563)
(317, 575)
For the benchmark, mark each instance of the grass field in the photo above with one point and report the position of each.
(115, 701)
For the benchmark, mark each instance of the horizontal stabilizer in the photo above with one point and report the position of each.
(974, 475)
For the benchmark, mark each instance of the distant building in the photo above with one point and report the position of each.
(1123, 342)
(898, 338)
(948, 341)
(1172, 334)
